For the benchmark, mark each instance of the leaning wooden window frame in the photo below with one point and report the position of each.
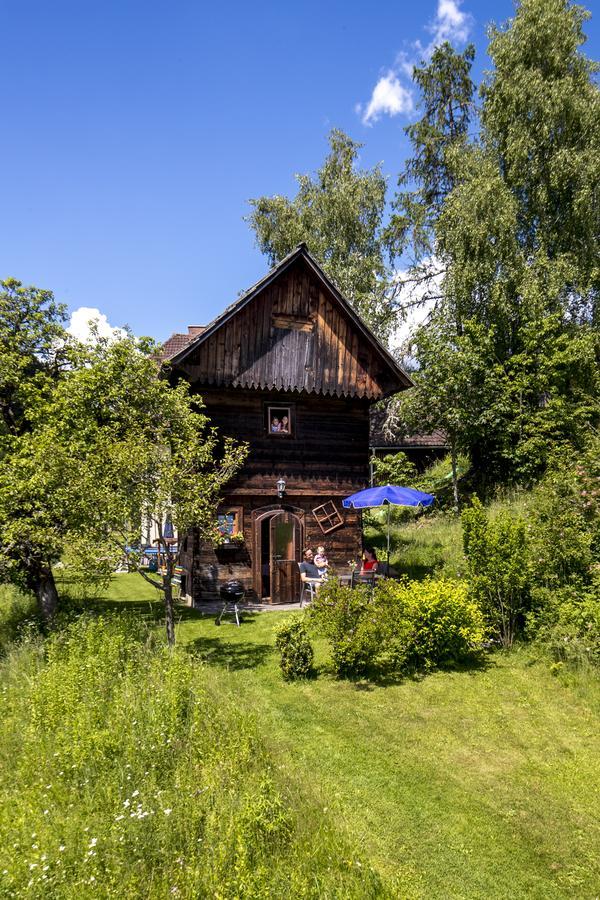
(328, 517)
(280, 419)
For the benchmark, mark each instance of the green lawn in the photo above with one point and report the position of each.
(465, 784)
(483, 783)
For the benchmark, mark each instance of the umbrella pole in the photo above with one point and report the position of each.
(388, 539)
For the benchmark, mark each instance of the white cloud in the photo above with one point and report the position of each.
(450, 24)
(80, 325)
(389, 97)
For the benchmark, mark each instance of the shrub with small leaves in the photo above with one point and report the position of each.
(429, 623)
(498, 565)
(295, 647)
(348, 619)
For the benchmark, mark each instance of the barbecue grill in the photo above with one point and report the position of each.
(232, 595)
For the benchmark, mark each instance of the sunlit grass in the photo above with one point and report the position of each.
(482, 783)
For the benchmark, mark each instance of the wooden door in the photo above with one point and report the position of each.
(285, 555)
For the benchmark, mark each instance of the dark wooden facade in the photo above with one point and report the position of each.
(290, 344)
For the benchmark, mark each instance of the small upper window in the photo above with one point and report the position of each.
(279, 420)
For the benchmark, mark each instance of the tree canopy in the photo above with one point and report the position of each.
(339, 213)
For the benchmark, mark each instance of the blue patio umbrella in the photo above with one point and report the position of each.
(390, 494)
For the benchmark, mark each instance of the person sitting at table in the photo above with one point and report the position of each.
(308, 569)
(370, 561)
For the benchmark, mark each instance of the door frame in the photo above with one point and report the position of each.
(258, 517)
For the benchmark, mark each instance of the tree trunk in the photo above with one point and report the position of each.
(454, 476)
(169, 612)
(41, 581)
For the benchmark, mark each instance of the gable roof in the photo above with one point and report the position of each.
(377, 356)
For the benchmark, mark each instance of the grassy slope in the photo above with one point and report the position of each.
(466, 784)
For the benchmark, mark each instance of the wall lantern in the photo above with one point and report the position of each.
(280, 487)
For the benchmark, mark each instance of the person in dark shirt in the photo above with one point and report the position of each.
(308, 570)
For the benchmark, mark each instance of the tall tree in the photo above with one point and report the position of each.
(446, 90)
(518, 233)
(339, 214)
(34, 352)
(131, 448)
(92, 442)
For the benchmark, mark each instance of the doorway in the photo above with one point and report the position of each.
(278, 542)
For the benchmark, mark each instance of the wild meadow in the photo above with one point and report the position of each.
(133, 770)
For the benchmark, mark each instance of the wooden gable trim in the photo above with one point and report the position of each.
(300, 251)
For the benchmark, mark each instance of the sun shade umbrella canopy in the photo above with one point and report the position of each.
(390, 494)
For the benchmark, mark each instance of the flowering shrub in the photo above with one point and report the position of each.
(223, 538)
(296, 650)
(398, 625)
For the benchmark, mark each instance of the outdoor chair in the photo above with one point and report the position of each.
(366, 578)
(309, 588)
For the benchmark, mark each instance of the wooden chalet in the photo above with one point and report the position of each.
(291, 369)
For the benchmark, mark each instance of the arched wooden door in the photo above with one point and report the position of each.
(285, 550)
(278, 550)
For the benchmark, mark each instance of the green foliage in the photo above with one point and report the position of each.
(565, 557)
(16, 610)
(95, 448)
(515, 236)
(339, 215)
(398, 626)
(133, 774)
(347, 619)
(566, 624)
(498, 568)
(565, 519)
(393, 468)
(430, 623)
(447, 100)
(293, 643)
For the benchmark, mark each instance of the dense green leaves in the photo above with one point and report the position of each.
(339, 214)
(517, 233)
(94, 441)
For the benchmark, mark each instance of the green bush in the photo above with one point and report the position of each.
(399, 625)
(292, 641)
(565, 520)
(429, 623)
(393, 468)
(498, 568)
(351, 623)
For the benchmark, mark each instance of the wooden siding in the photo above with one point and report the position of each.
(292, 336)
(327, 453)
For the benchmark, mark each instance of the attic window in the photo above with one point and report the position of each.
(293, 323)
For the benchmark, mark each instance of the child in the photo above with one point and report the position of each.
(321, 562)
(275, 426)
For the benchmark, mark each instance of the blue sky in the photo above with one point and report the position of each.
(134, 133)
